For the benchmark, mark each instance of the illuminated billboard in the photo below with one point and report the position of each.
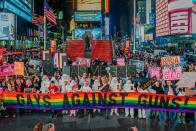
(180, 16)
(175, 17)
(162, 20)
(88, 16)
(7, 26)
(88, 5)
(20, 9)
(93, 34)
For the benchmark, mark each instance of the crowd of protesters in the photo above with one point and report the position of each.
(62, 83)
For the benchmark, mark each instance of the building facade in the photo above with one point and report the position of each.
(17, 30)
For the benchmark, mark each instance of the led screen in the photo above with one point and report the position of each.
(85, 5)
(7, 26)
(175, 17)
(94, 33)
(162, 20)
(88, 16)
(180, 16)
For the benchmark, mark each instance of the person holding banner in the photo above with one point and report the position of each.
(74, 87)
(169, 89)
(158, 90)
(141, 112)
(45, 84)
(86, 88)
(181, 115)
(65, 89)
(53, 89)
(104, 87)
(114, 87)
(10, 111)
(95, 88)
(29, 87)
(20, 86)
(129, 87)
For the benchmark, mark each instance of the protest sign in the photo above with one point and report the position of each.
(62, 59)
(66, 70)
(56, 60)
(121, 71)
(139, 64)
(94, 70)
(83, 62)
(140, 79)
(155, 71)
(82, 70)
(19, 68)
(102, 70)
(113, 71)
(149, 83)
(131, 70)
(74, 71)
(172, 60)
(190, 92)
(188, 79)
(99, 100)
(121, 61)
(35, 62)
(46, 55)
(172, 74)
(48, 66)
(7, 70)
(33, 71)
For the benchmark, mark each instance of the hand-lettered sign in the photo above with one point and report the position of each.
(172, 74)
(121, 61)
(155, 71)
(173, 60)
(7, 70)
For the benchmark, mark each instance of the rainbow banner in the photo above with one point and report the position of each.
(98, 100)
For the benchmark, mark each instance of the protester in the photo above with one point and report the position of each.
(129, 87)
(53, 89)
(38, 127)
(63, 83)
(49, 127)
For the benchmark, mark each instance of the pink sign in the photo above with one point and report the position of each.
(155, 71)
(7, 70)
(121, 61)
(169, 74)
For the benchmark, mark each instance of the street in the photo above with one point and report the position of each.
(27, 121)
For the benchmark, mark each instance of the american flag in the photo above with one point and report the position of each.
(49, 13)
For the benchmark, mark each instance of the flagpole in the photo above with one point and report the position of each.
(134, 27)
(45, 34)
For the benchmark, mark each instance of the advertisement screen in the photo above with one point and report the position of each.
(7, 26)
(88, 16)
(85, 5)
(162, 20)
(180, 16)
(93, 34)
(175, 17)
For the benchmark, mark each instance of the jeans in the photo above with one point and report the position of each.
(170, 115)
(148, 114)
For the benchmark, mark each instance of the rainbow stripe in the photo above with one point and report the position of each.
(99, 100)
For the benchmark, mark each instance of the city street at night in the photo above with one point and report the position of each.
(98, 65)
